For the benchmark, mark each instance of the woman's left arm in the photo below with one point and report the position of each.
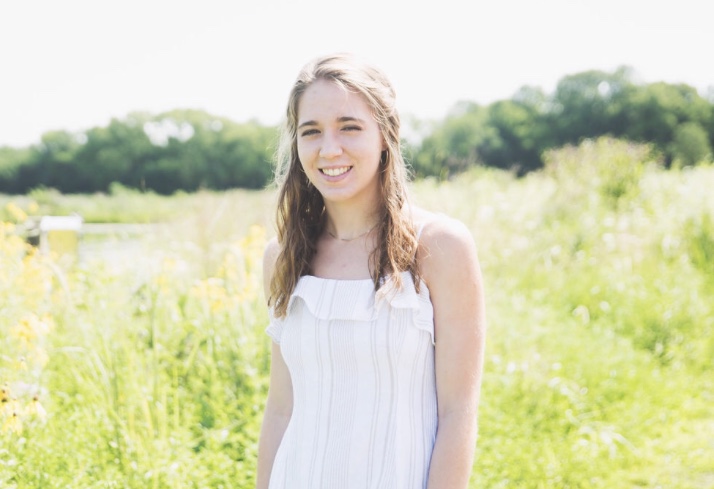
(452, 273)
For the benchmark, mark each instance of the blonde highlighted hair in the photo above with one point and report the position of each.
(301, 209)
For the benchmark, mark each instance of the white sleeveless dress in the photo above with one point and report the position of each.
(364, 390)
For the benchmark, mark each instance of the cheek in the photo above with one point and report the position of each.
(304, 162)
(303, 154)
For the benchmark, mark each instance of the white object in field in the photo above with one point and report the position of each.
(60, 223)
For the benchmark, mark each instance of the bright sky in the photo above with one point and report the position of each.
(74, 64)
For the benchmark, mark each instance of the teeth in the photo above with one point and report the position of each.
(333, 172)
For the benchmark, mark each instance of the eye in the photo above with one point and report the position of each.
(352, 128)
(309, 132)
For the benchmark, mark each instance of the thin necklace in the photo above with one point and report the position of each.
(347, 240)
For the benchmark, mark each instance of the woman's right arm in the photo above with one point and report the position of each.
(279, 404)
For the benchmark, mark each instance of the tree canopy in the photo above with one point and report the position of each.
(186, 150)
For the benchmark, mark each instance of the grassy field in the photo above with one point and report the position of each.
(599, 274)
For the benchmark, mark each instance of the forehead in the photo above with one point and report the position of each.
(326, 100)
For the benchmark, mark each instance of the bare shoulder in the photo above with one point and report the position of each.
(270, 255)
(450, 268)
(446, 248)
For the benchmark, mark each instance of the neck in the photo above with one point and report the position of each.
(348, 223)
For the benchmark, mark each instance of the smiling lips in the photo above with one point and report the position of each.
(335, 172)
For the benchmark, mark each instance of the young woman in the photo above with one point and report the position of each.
(377, 314)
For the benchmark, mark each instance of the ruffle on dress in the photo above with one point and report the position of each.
(356, 300)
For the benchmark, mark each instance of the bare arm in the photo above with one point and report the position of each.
(452, 273)
(275, 417)
(279, 404)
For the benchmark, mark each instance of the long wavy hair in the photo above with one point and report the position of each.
(301, 209)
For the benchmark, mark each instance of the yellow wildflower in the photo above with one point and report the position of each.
(31, 328)
(21, 364)
(13, 424)
(9, 406)
(17, 214)
(36, 409)
(7, 229)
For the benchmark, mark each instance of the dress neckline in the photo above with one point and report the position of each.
(358, 281)
(328, 279)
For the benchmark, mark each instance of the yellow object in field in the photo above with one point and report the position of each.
(63, 242)
(60, 234)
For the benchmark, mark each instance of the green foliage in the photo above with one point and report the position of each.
(601, 329)
(653, 112)
(521, 130)
(179, 150)
(613, 167)
(586, 105)
(154, 379)
(699, 237)
(690, 144)
(188, 150)
(454, 145)
(11, 159)
(598, 360)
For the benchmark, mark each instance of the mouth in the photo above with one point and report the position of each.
(335, 172)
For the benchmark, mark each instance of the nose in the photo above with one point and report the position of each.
(330, 147)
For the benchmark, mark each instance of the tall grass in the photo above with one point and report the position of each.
(601, 332)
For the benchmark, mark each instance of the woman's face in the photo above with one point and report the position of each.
(339, 143)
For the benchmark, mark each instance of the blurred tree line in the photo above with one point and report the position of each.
(179, 150)
(514, 134)
(191, 149)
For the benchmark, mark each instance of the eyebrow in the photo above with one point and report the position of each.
(341, 119)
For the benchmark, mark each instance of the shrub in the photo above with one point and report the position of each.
(611, 166)
(690, 144)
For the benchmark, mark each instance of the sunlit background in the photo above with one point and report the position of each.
(74, 64)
